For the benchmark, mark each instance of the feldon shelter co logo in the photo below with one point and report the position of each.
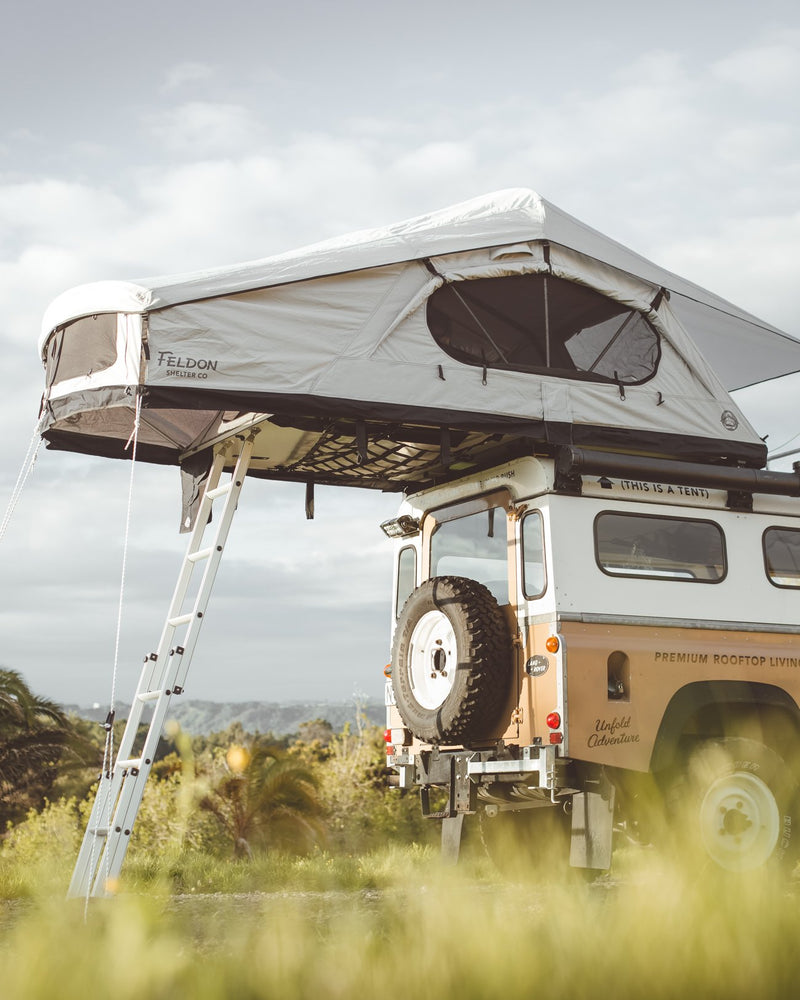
(181, 366)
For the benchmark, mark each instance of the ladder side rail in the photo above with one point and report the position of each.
(213, 562)
(112, 795)
(94, 842)
(186, 572)
(111, 806)
(124, 788)
(133, 788)
(130, 799)
(93, 846)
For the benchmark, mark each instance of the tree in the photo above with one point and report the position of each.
(38, 742)
(265, 799)
(315, 738)
(361, 810)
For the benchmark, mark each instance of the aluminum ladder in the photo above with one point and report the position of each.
(163, 675)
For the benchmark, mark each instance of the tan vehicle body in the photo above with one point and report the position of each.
(623, 733)
(637, 660)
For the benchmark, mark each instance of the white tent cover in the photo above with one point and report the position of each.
(392, 357)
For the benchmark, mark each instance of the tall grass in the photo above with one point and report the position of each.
(396, 924)
(389, 922)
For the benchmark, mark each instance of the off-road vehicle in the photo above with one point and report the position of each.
(592, 632)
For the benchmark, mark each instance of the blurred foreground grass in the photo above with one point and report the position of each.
(396, 923)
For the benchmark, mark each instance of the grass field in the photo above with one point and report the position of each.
(396, 924)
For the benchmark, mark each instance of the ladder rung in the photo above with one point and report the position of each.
(219, 491)
(200, 554)
(132, 762)
(99, 831)
(181, 619)
(148, 695)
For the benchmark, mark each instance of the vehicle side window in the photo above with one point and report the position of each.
(782, 556)
(534, 581)
(476, 547)
(406, 577)
(664, 548)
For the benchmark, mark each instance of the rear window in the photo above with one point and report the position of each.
(474, 546)
(538, 323)
(662, 548)
(782, 556)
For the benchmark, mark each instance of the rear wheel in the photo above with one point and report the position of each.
(736, 807)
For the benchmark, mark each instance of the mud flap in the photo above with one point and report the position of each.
(451, 838)
(592, 827)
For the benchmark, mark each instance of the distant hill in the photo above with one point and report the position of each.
(281, 718)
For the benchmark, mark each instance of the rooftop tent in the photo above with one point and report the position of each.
(392, 357)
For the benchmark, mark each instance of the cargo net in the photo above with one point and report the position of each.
(392, 458)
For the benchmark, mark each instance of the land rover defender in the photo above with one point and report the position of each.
(591, 632)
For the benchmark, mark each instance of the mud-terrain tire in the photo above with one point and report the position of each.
(735, 809)
(452, 661)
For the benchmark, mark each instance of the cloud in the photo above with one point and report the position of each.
(435, 159)
(769, 69)
(204, 128)
(65, 213)
(184, 73)
(654, 147)
(308, 598)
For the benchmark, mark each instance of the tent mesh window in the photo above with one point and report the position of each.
(541, 324)
(79, 348)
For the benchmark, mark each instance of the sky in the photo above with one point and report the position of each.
(161, 138)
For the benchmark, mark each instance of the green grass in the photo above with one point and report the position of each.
(197, 873)
(395, 923)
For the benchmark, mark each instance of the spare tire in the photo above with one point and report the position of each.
(452, 661)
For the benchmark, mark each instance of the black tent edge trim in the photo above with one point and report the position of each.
(351, 419)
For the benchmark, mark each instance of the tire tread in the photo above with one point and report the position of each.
(476, 700)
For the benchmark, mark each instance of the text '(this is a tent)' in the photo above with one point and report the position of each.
(393, 357)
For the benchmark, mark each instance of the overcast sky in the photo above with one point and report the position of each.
(164, 137)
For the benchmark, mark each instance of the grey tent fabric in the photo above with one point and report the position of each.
(343, 335)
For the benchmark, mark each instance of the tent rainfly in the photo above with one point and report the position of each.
(395, 357)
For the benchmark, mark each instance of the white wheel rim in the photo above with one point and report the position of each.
(432, 659)
(739, 822)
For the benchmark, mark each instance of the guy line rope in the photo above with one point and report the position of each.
(108, 748)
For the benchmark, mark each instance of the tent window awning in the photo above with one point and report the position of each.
(542, 324)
